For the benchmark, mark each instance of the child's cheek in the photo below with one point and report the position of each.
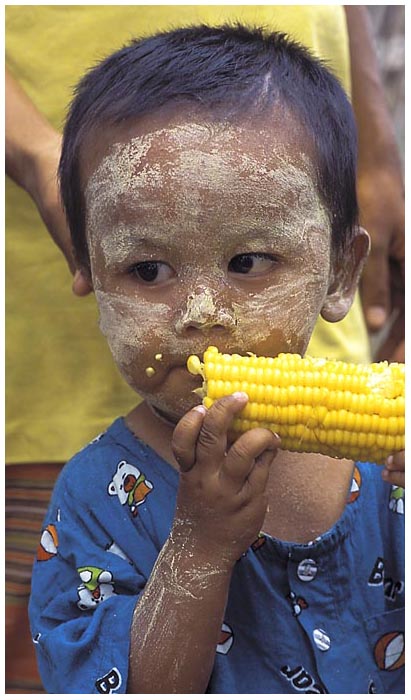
(278, 319)
(135, 331)
(281, 318)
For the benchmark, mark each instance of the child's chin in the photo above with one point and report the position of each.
(172, 409)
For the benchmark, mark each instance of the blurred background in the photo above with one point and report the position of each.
(388, 22)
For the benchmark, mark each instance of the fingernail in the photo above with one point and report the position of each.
(200, 409)
(240, 395)
(376, 316)
(389, 461)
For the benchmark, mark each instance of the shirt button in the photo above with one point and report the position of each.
(307, 570)
(321, 640)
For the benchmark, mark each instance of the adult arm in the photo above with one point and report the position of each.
(380, 188)
(32, 154)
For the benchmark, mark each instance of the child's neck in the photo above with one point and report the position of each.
(307, 493)
(153, 429)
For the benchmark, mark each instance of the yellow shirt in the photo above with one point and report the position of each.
(62, 385)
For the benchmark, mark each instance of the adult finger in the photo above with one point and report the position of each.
(375, 288)
(393, 347)
(185, 435)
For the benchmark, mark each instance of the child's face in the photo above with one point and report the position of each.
(203, 234)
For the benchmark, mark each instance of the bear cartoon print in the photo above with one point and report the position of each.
(130, 485)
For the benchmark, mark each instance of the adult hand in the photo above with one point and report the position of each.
(32, 155)
(380, 188)
(43, 188)
(381, 200)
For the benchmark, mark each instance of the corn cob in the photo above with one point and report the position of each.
(330, 407)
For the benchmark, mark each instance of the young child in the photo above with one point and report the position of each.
(209, 181)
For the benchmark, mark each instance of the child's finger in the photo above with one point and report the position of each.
(242, 454)
(212, 440)
(258, 477)
(185, 437)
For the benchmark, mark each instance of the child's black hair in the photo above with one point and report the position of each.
(232, 68)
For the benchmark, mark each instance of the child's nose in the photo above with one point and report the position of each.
(195, 325)
(203, 312)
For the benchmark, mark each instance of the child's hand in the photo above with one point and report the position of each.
(394, 471)
(221, 500)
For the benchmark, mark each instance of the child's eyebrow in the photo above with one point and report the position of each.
(134, 235)
(119, 241)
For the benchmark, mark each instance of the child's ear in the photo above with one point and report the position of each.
(346, 278)
(82, 283)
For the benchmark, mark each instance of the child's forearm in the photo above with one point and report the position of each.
(177, 621)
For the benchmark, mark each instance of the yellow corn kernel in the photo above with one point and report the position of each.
(326, 406)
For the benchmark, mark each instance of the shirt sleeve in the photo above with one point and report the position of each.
(84, 591)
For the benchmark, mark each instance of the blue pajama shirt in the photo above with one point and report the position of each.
(324, 617)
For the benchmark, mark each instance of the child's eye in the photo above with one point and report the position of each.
(152, 271)
(252, 263)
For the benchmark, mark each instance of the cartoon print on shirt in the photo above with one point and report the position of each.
(130, 485)
(393, 588)
(355, 486)
(97, 586)
(115, 549)
(302, 681)
(378, 577)
(297, 603)
(397, 499)
(377, 574)
(389, 651)
(110, 682)
(226, 639)
(48, 545)
(259, 542)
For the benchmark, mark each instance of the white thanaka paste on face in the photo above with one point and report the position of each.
(202, 311)
(127, 322)
(204, 177)
(199, 163)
